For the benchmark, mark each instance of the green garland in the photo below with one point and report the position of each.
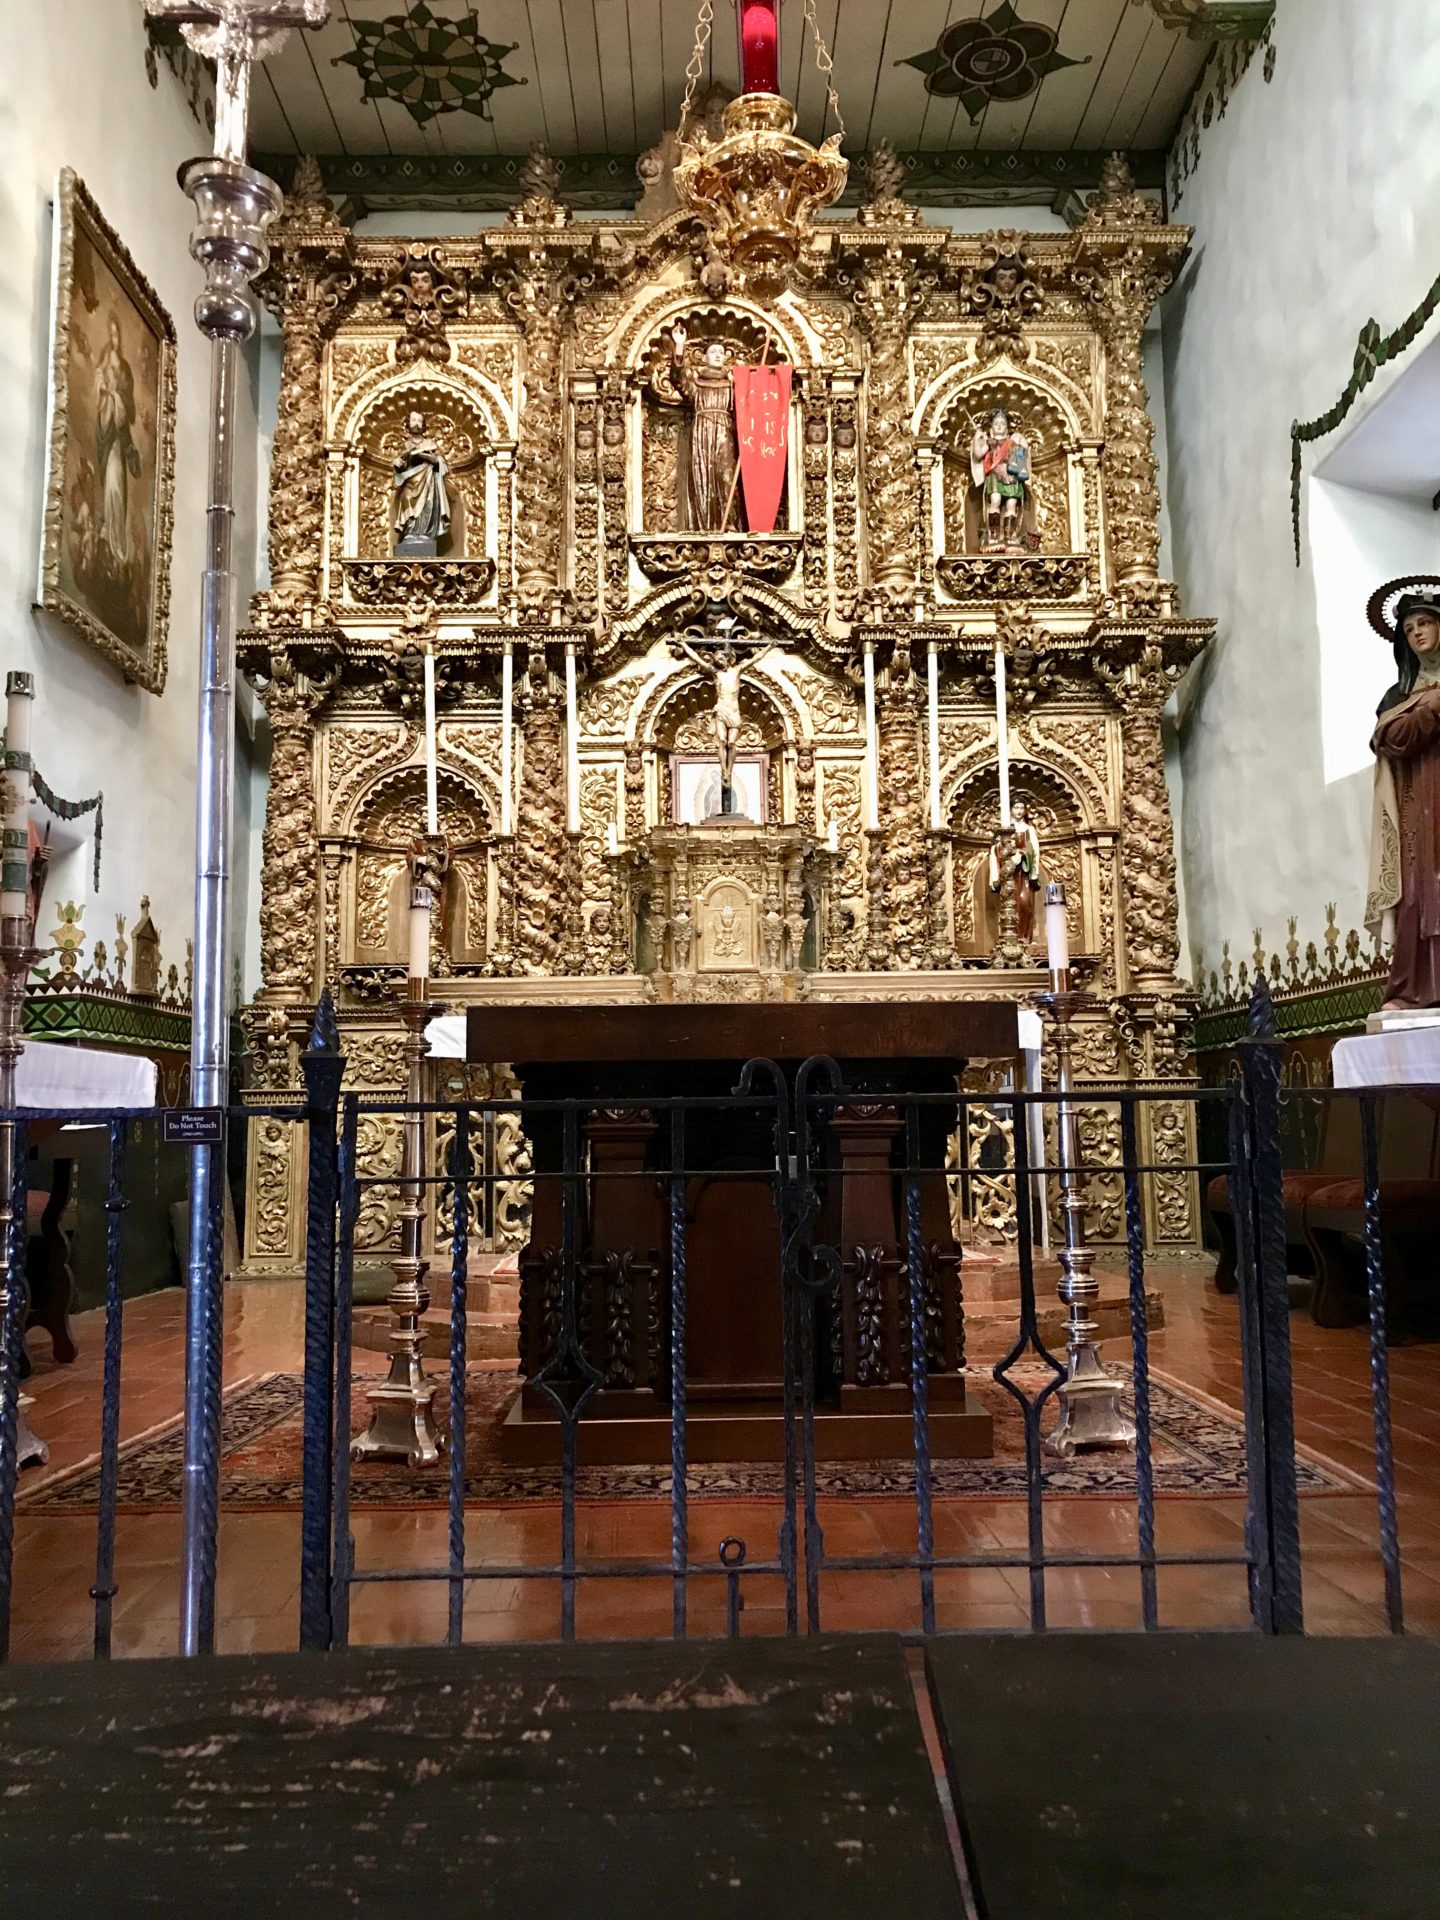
(72, 810)
(1372, 350)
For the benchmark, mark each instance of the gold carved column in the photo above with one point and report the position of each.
(537, 297)
(292, 675)
(902, 808)
(306, 287)
(889, 295)
(541, 849)
(1126, 259)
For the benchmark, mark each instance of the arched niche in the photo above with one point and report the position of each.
(1052, 433)
(680, 732)
(387, 819)
(459, 424)
(661, 416)
(1067, 853)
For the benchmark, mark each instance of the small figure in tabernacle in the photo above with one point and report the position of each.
(1403, 898)
(1000, 468)
(1015, 861)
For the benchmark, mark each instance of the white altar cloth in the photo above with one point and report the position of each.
(55, 1076)
(1403, 1057)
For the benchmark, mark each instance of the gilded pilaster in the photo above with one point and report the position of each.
(540, 848)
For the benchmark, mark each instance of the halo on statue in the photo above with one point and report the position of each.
(1381, 609)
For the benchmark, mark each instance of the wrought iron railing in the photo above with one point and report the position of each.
(818, 1274)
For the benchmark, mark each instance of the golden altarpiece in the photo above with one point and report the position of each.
(540, 357)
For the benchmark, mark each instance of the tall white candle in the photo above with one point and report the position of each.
(1002, 734)
(432, 794)
(15, 865)
(1057, 928)
(572, 746)
(832, 836)
(872, 745)
(507, 738)
(612, 837)
(932, 689)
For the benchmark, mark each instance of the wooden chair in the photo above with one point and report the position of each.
(1337, 1155)
(1334, 1218)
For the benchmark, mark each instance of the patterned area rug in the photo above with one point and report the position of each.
(1198, 1449)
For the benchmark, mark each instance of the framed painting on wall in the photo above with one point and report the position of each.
(110, 471)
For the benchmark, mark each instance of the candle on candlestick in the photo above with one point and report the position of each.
(572, 746)
(1057, 932)
(932, 690)
(15, 865)
(507, 750)
(872, 747)
(419, 933)
(432, 793)
(759, 45)
(612, 837)
(1002, 734)
(832, 836)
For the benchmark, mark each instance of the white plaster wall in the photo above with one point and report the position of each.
(1314, 203)
(74, 92)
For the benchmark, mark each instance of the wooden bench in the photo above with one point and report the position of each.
(1334, 1220)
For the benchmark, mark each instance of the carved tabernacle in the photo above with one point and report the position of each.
(967, 459)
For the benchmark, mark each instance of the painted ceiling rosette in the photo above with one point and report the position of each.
(1000, 58)
(428, 65)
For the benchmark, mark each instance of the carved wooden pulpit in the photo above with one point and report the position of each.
(622, 1161)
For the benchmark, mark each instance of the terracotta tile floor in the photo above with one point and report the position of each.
(257, 1601)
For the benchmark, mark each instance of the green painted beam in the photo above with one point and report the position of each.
(482, 183)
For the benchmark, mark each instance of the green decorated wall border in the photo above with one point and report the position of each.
(1372, 351)
(107, 1022)
(1339, 1009)
(606, 183)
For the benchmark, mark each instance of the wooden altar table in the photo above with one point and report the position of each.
(600, 1054)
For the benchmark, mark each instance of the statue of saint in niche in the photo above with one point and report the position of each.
(713, 454)
(1015, 862)
(725, 664)
(422, 505)
(1000, 470)
(1403, 897)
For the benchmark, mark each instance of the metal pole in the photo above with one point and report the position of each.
(234, 206)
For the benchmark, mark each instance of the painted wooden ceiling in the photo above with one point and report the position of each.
(476, 77)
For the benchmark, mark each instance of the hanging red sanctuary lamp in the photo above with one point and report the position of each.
(759, 45)
(758, 188)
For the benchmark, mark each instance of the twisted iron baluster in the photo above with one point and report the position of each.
(104, 1590)
(679, 1488)
(459, 1336)
(10, 1332)
(1140, 1341)
(1380, 1371)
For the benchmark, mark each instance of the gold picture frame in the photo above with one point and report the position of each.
(110, 466)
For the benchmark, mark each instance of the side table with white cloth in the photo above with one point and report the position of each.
(56, 1079)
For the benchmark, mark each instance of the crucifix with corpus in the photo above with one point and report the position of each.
(233, 33)
(723, 648)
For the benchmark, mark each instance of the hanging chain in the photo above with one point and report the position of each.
(703, 23)
(826, 66)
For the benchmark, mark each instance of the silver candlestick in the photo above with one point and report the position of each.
(402, 1408)
(1091, 1416)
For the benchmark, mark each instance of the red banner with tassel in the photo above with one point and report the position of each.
(762, 429)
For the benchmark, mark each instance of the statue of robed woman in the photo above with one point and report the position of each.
(422, 505)
(1403, 896)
